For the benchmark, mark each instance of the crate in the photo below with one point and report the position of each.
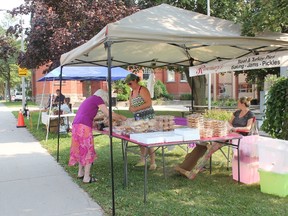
(273, 155)
(274, 183)
(248, 171)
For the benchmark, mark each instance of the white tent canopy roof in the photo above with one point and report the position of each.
(166, 35)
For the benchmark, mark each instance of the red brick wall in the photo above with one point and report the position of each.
(175, 88)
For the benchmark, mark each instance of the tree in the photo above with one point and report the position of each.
(276, 113)
(262, 16)
(257, 76)
(8, 56)
(60, 26)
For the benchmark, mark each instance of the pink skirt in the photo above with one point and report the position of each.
(82, 146)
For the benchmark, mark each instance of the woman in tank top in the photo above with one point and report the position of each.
(140, 104)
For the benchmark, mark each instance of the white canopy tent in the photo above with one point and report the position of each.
(167, 36)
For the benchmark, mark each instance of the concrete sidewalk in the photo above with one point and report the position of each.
(31, 181)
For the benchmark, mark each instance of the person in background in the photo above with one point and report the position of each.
(50, 101)
(140, 104)
(194, 161)
(59, 97)
(82, 150)
(65, 126)
(242, 119)
(65, 107)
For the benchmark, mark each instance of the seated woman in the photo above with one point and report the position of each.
(65, 107)
(65, 124)
(194, 161)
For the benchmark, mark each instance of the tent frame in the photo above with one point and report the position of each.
(183, 41)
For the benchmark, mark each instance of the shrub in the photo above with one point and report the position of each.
(161, 91)
(276, 113)
(121, 97)
(123, 90)
(186, 97)
(218, 114)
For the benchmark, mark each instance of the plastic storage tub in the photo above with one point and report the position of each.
(273, 155)
(248, 171)
(274, 183)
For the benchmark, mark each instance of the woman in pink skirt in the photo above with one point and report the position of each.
(82, 150)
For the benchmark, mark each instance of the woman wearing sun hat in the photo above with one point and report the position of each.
(140, 104)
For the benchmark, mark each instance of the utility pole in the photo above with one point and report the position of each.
(23, 77)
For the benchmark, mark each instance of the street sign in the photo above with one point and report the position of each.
(22, 71)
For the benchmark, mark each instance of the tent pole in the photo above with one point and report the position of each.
(108, 47)
(59, 109)
(41, 104)
(209, 75)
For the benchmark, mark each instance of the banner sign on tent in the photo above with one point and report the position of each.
(275, 59)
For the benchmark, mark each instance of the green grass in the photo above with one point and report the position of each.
(215, 194)
(19, 104)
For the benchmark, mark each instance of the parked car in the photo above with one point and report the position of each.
(18, 97)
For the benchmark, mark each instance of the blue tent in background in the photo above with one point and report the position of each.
(85, 73)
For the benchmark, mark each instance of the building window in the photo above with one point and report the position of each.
(170, 76)
(146, 73)
(245, 87)
(183, 77)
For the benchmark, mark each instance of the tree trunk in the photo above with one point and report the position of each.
(198, 86)
(199, 89)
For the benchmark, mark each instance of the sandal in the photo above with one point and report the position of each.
(80, 177)
(92, 180)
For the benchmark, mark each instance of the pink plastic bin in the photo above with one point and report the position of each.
(248, 171)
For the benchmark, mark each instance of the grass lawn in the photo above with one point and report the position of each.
(215, 194)
(18, 104)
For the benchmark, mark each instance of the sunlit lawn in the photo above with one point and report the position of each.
(215, 194)
(18, 104)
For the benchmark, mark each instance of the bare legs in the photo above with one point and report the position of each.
(84, 172)
(143, 153)
(80, 171)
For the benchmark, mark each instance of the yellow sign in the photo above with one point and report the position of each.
(22, 71)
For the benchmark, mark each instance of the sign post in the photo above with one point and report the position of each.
(24, 70)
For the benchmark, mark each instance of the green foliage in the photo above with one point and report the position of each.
(225, 103)
(260, 16)
(122, 90)
(218, 114)
(276, 113)
(186, 97)
(161, 91)
(121, 97)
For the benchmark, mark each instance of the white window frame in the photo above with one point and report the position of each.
(146, 73)
(183, 75)
(170, 76)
